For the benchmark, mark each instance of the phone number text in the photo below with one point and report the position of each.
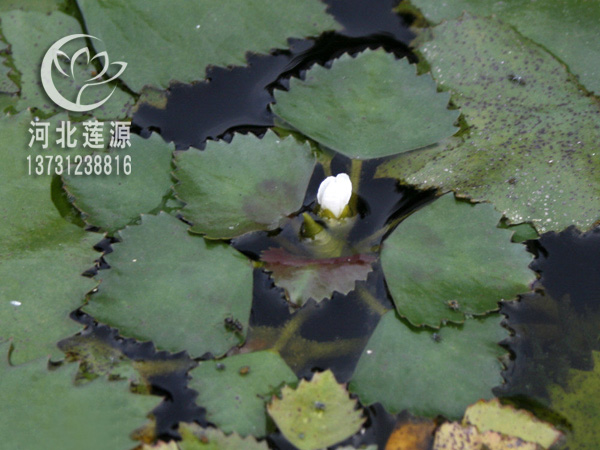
(79, 165)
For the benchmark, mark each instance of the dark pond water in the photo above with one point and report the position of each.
(237, 99)
(556, 326)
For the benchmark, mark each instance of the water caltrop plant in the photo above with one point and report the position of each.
(299, 284)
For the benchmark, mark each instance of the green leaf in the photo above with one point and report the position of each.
(174, 41)
(7, 86)
(576, 44)
(523, 232)
(430, 373)
(531, 148)
(578, 403)
(174, 289)
(44, 6)
(317, 414)
(194, 437)
(505, 419)
(7, 101)
(234, 390)
(248, 185)
(113, 201)
(367, 106)
(42, 408)
(450, 259)
(42, 256)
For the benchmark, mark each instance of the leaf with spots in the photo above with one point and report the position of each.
(30, 34)
(531, 147)
(164, 282)
(427, 372)
(112, 201)
(451, 436)
(450, 259)
(576, 44)
(234, 390)
(193, 437)
(317, 414)
(41, 407)
(42, 256)
(176, 40)
(578, 403)
(247, 185)
(364, 105)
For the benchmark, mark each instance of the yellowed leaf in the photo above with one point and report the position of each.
(505, 419)
(454, 436)
(160, 445)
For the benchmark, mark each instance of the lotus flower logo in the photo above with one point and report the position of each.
(51, 58)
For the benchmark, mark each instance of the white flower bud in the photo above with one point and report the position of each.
(334, 194)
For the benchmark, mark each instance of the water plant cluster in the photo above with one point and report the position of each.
(398, 245)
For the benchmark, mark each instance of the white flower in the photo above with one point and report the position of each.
(334, 194)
